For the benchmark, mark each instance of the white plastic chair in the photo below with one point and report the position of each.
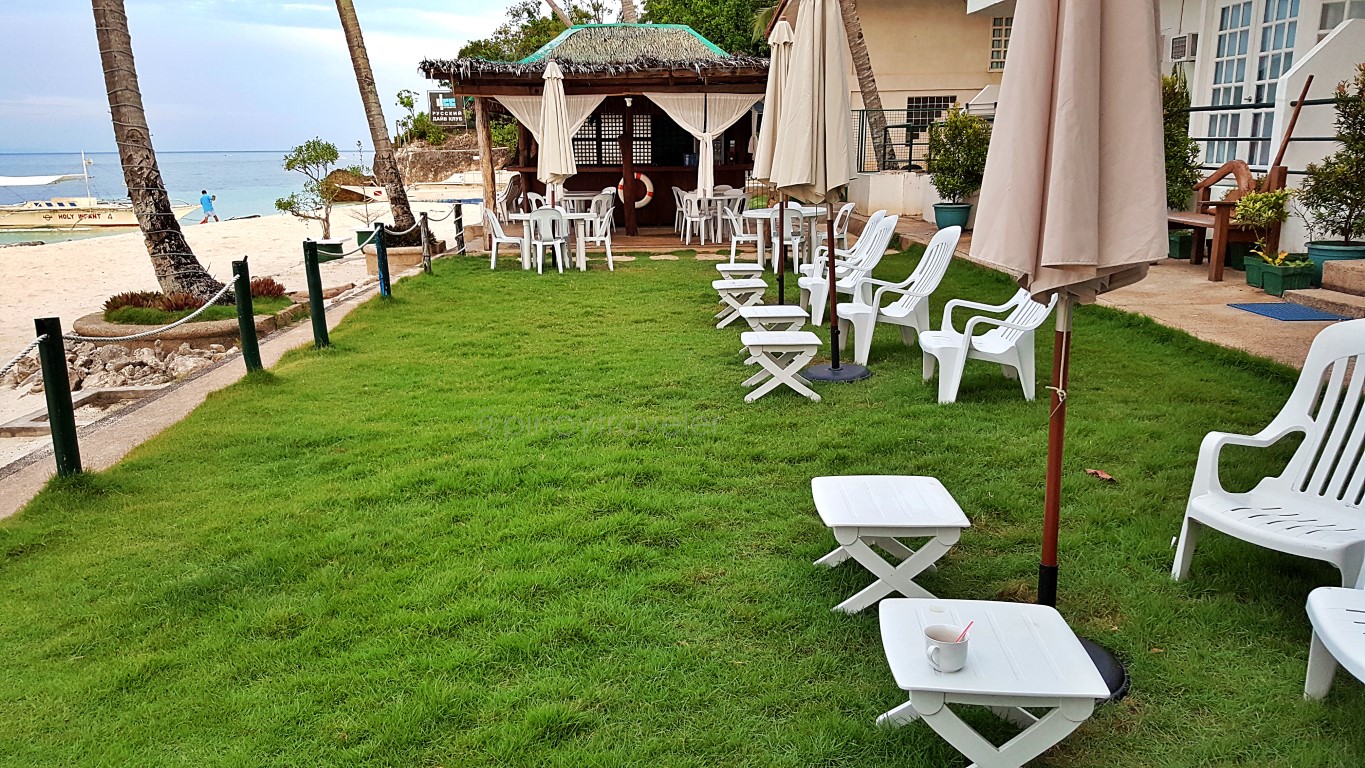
(493, 230)
(678, 209)
(842, 255)
(1009, 342)
(739, 233)
(535, 200)
(1338, 618)
(548, 229)
(792, 220)
(866, 254)
(910, 309)
(695, 219)
(1313, 508)
(599, 229)
(841, 222)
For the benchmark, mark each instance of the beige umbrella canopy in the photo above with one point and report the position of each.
(814, 153)
(780, 44)
(1074, 198)
(554, 163)
(1074, 195)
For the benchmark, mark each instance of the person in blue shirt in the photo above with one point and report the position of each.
(206, 202)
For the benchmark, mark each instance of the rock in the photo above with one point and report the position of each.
(216, 348)
(146, 356)
(180, 367)
(111, 353)
(104, 379)
(184, 348)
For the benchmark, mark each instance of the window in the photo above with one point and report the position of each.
(598, 141)
(1000, 41)
(923, 111)
(1334, 13)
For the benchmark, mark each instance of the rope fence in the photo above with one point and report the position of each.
(154, 331)
(32, 345)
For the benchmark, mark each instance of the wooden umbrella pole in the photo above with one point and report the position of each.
(833, 296)
(1056, 439)
(781, 248)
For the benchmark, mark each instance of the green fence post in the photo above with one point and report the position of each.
(315, 308)
(61, 417)
(381, 260)
(246, 321)
(426, 243)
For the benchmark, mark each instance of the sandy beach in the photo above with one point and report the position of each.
(71, 279)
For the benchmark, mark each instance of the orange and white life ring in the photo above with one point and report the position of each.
(649, 190)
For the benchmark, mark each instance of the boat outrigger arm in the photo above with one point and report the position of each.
(37, 181)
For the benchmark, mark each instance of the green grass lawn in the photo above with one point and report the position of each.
(522, 520)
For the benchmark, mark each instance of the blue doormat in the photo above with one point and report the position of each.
(1287, 311)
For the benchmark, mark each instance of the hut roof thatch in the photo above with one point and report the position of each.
(611, 50)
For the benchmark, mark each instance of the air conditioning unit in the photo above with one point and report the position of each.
(1184, 47)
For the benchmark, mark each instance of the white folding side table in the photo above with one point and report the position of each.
(775, 317)
(1018, 655)
(736, 295)
(867, 510)
(781, 355)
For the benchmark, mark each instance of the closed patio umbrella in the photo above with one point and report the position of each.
(814, 154)
(554, 163)
(1073, 201)
(780, 45)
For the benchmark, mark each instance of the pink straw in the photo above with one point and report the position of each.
(964, 631)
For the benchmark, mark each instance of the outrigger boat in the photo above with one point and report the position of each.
(69, 212)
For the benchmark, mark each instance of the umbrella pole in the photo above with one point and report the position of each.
(781, 249)
(1110, 668)
(834, 371)
(1056, 438)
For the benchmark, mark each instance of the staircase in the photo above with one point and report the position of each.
(1342, 291)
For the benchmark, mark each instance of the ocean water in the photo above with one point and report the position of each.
(246, 183)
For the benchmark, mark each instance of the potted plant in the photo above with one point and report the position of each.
(1277, 273)
(957, 164)
(1334, 190)
(1182, 155)
(1259, 212)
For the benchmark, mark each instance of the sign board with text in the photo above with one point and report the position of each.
(446, 109)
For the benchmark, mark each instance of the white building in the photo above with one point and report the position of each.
(1252, 57)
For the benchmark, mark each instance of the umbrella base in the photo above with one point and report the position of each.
(843, 373)
(1111, 669)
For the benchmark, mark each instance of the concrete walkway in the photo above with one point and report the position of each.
(105, 442)
(1179, 295)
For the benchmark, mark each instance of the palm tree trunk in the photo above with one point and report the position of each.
(628, 14)
(867, 81)
(564, 17)
(385, 166)
(177, 270)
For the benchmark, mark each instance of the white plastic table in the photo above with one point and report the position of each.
(867, 510)
(580, 222)
(1019, 655)
(781, 355)
(811, 215)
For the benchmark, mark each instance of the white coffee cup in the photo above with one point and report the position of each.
(942, 648)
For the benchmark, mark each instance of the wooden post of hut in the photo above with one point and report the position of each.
(628, 169)
(485, 135)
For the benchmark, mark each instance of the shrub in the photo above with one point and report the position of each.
(1334, 190)
(1182, 152)
(139, 299)
(178, 302)
(957, 154)
(265, 287)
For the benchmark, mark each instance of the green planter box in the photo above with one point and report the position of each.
(1181, 243)
(1256, 272)
(1238, 254)
(1276, 280)
(330, 250)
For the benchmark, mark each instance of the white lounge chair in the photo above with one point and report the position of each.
(548, 228)
(1009, 342)
(1338, 618)
(495, 235)
(846, 254)
(866, 254)
(1313, 508)
(910, 309)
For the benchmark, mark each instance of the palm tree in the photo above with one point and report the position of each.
(628, 14)
(385, 166)
(867, 81)
(177, 269)
(563, 17)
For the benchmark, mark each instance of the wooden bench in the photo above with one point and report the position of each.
(1217, 215)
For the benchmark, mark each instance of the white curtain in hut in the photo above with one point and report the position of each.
(527, 111)
(705, 116)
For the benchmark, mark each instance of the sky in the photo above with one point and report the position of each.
(220, 74)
